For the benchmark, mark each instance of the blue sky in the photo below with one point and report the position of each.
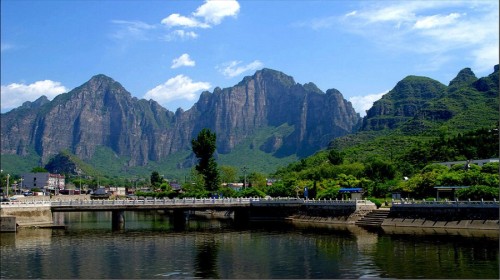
(171, 51)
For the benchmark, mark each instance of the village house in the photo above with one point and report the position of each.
(44, 181)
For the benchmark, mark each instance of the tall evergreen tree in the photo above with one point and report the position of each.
(204, 147)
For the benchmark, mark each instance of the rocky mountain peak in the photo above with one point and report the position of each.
(102, 84)
(275, 76)
(464, 77)
(42, 100)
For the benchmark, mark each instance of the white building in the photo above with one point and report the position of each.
(43, 181)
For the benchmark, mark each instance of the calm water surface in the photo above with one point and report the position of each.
(153, 246)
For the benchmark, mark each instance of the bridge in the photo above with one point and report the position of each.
(343, 211)
(182, 203)
(242, 208)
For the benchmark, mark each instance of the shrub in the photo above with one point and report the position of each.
(377, 201)
(329, 193)
(478, 193)
(251, 192)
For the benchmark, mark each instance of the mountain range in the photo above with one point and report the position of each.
(265, 116)
(300, 120)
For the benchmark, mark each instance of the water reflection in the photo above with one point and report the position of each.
(151, 246)
(206, 258)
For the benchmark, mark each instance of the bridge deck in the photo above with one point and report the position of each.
(172, 204)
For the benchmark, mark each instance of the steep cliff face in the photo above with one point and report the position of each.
(271, 98)
(99, 113)
(102, 113)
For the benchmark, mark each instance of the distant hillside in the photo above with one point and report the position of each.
(417, 104)
(419, 109)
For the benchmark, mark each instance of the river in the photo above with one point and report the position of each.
(152, 246)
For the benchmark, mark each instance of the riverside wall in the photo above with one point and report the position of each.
(332, 213)
(28, 216)
(36, 214)
(444, 216)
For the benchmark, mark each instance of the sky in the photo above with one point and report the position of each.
(172, 51)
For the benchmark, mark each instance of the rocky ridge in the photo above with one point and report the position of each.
(102, 113)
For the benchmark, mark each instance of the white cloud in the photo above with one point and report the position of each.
(180, 34)
(483, 57)
(136, 30)
(353, 13)
(231, 69)
(6, 47)
(179, 87)
(452, 29)
(436, 21)
(14, 95)
(174, 20)
(183, 60)
(214, 11)
(361, 104)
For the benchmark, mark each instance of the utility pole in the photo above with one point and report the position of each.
(245, 176)
(8, 176)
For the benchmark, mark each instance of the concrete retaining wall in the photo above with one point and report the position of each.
(444, 217)
(8, 224)
(25, 216)
(459, 224)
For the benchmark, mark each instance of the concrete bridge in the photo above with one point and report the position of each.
(34, 211)
(461, 214)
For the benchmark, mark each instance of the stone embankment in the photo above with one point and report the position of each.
(467, 215)
(35, 213)
(452, 215)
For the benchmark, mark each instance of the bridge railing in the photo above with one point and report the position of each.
(166, 201)
(338, 202)
(446, 203)
(186, 201)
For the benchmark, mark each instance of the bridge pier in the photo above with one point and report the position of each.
(179, 219)
(241, 216)
(118, 219)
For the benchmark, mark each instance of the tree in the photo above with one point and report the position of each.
(195, 188)
(39, 169)
(204, 147)
(228, 174)
(257, 180)
(379, 170)
(335, 157)
(156, 180)
(279, 189)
